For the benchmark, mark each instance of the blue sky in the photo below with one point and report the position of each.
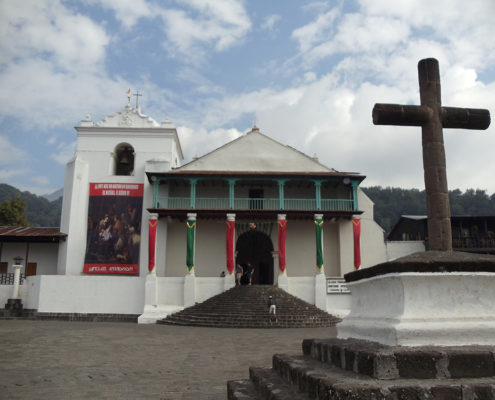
(308, 74)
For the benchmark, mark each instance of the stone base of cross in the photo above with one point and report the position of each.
(432, 118)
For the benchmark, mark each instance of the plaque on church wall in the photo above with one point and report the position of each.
(114, 228)
(337, 285)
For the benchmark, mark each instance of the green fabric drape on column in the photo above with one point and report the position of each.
(191, 227)
(319, 244)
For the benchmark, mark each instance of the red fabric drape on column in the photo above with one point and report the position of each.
(152, 223)
(230, 246)
(356, 226)
(282, 230)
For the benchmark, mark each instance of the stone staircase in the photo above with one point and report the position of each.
(246, 307)
(336, 369)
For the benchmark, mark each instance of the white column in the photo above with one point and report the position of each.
(17, 279)
(151, 311)
(320, 279)
(190, 278)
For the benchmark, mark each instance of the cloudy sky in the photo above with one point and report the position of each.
(307, 73)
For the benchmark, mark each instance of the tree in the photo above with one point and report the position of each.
(12, 212)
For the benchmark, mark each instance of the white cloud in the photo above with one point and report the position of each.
(6, 174)
(197, 141)
(386, 29)
(309, 76)
(270, 21)
(38, 94)
(221, 23)
(64, 152)
(47, 29)
(315, 31)
(40, 180)
(128, 12)
(9, 153)
(52, 64)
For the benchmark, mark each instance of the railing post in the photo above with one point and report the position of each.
(318, 193)
(192, 182)
(354, 185)
(281, 199)
(156, 182)
(231, 193)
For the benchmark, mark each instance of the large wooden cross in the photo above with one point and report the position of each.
(432, 118)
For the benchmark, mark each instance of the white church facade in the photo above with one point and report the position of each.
(148, 236)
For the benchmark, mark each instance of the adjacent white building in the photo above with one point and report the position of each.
(147, 236)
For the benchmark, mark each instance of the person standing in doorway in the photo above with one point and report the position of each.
(250, 272)
(238, 274)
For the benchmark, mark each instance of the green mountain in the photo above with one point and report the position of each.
(391, 203)
(39, 211)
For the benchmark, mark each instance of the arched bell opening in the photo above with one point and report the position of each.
(124, 159)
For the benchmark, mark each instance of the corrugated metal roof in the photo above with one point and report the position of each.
(27, 233)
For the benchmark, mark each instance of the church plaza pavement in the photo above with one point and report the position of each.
(103, 360)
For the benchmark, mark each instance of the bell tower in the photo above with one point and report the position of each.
(110, 158)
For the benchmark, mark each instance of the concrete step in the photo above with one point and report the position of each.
(253, 317)
(246, 307)
(270, 385)
(323, 381)
(393, 362)
(238, 324)
(242, 390)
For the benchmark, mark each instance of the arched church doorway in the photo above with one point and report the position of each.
(256, 247)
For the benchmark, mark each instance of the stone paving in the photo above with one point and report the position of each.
(85, 360)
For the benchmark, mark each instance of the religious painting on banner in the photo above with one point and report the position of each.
(114, 228)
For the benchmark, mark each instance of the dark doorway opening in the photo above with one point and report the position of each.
(256, 248)
(256, 199)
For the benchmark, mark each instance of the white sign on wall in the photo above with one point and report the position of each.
(336, 286)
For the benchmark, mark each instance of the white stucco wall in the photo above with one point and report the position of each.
(373, 249)
(74, 218)
(339, 304)
(421, 309)
(210, 248)
(85, 294)
(397, 249)
(303, 287)
(175, 261)
(43, 254)
(346, 247)
(170, 290)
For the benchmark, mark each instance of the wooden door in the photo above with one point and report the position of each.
(31, 268)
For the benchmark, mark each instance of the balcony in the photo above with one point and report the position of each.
(475, 244)
(274, 204)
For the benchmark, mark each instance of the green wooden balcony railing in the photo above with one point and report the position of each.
(222, 203)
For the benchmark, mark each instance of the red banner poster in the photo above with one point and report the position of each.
(153, 223)
(230, 246)
(356, 226)
(114, 228)
(282, 233)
